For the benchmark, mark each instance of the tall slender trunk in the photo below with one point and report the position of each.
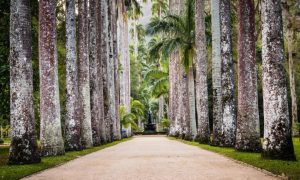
(83, 74)
(72, 122)
(104, 60)
(295, 131)
(228, 96)
(23, 148)
(102, 72)
(94, 71)
(278, 142)
(176, 72)
(51, 135)
(201, 75)
(216, 73)
(248, 129)
(117, 132)
(111, 72)
(192, 104)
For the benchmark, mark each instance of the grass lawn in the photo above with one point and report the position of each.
(9, 172)
(290, 169)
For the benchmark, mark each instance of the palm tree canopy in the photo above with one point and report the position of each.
(178, 32)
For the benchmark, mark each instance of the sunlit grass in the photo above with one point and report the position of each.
(9, 172)
(290, 169)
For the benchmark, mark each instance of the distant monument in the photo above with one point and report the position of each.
(150, 126)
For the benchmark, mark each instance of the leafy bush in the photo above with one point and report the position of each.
(1, 141)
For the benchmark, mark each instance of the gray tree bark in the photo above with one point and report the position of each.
(248, 131)
(111, 73)
(23, 148)
(216, 73)
(51, 135)
(278, 142)
(203, 135)
(83, 74)
(175, 98)
(94, 71)
(101, 75)
(117, 133)
(228, 96)
(72, 121)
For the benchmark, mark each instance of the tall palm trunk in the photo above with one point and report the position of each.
(83, 74)
(104, 60)
(278, 142)
(216, 73)
(117, 132)
(51, 135)
(201, 75)
(176, 115)
(23, 148)
(192, 104)
(124, 59)
(248, 133)
(295, 131)
(102, 55)
(94, 71)
(72, 122)
(228, 96)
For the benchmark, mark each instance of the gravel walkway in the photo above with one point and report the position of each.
(153, 158)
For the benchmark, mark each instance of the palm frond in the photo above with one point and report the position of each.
(155, 74)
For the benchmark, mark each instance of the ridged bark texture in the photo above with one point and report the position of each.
(94, 71)
(203, 135)
(248, 132)
(228, 96)
(83, 74)
(23, 148)
(278, 142)
(72, 121)
(216, 73)
(51, 135)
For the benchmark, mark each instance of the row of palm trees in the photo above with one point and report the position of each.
(234, 124)
(94, 39)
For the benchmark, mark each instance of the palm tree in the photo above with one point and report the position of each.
(23, 148)
(289, 25)
(248, 134)
(228, 96)
(179, 36)
(278, 142)
(96, 105)
(51, 135)
(159, 7)
(72, 122)
(83, 74)
(216, 73)
(203, 135)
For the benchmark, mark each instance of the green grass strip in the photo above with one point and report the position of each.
(291, 169)
(11, 172)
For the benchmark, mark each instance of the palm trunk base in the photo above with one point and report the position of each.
(52, 151)
(284, 152)
(24, 151)
(248, 145)
(203, 138)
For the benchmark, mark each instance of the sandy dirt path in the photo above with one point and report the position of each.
(153, 158)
